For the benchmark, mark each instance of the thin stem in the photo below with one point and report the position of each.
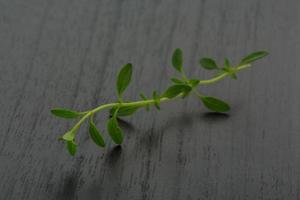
(77, 125)
(134, 103)
(110, 105)
(223, 75)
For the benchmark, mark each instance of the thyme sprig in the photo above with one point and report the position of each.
(180, 88)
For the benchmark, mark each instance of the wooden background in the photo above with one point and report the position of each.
(66, 53)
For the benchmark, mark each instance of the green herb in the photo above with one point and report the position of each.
(181, 87)
(208, 63)
(72, 148)
(215, 104)
(177, 60)
(124, 79)
(229, 69)
(124, 111)
(65, 113)
(69, 136)
(176, 90)
(95, 134)
(253, 57)
(193, 82)
(114, 130)
(177, 81)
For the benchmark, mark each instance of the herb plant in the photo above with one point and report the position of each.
(181, 87)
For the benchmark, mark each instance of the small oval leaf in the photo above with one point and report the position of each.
(215, 104)
(124, 78)
(95, 135)
(194, 82)
(227, 63)
(65, 113)
(114, 130)
(177, 60)
(175, 90)
(253, 57)
(72, 148)
(124, 111)
(177, 81)
(208, 63)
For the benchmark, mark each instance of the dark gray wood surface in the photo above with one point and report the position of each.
(66, 53)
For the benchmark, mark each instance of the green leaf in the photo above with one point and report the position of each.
(124, 79)
(233, 76)
(72, 148)
(65, 113)
(156, 100)
(114, 130)
(177, 81)
(69, 136)
(208, 63)
(175, 90)
(177, 60)
(231, 71)
(124, 111)
(194, 82)
(227, 63)
(253, 57)
(145, 98)
(215, 104)
(96, 135)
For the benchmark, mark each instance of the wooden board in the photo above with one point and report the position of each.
(66, 53)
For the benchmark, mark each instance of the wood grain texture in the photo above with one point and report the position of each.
(66, 53)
